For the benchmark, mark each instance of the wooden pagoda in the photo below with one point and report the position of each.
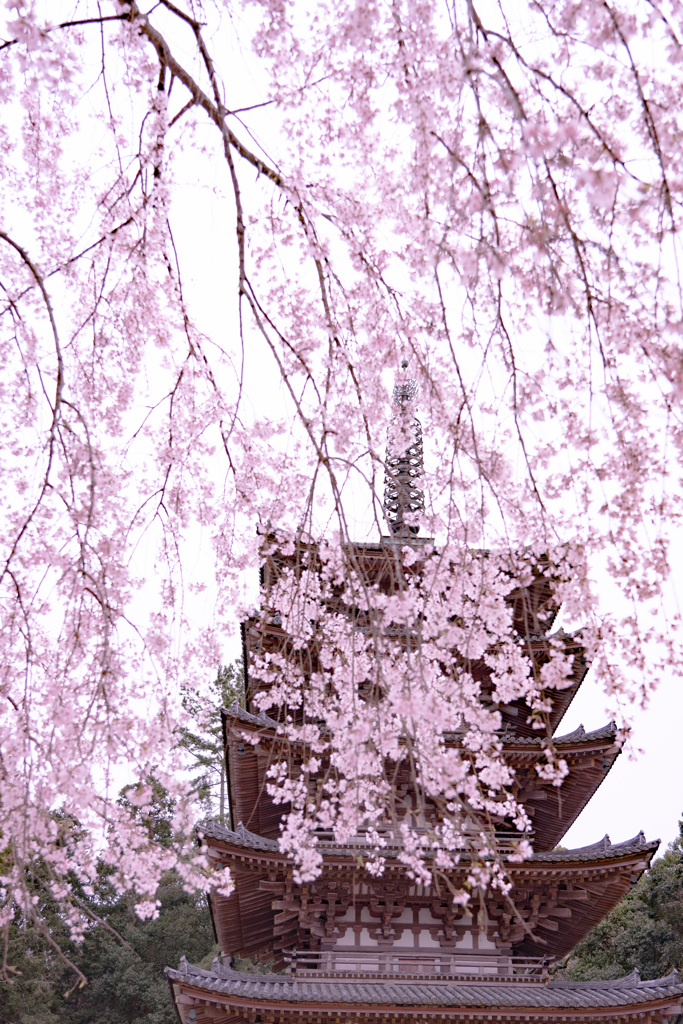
(351, 947)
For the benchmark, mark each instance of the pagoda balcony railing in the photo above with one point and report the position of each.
(505, 842)
(415, 965)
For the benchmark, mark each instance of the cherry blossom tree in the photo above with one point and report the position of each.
(478, 197)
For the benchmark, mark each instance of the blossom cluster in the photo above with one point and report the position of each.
(388, 669)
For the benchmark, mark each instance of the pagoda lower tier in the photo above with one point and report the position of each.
(226, 996)
(555, 900)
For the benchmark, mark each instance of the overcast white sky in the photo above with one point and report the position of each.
(642, 792)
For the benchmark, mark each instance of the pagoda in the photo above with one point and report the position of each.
(352, 946)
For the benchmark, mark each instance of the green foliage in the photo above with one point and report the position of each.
(126, 982)
(123, 958)
(38, 973)
(645, 931)
(204, 743)
(158, 814)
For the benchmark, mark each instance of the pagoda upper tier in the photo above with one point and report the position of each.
(252, 744)
(533, 606)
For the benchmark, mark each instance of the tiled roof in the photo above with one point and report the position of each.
(579, 734)
(508, 735)
(602, 850)
(557, 994)
(241, 836)
(511, 738)
(262, 719)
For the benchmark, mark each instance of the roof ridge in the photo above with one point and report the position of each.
(602, 846)
(602, 849)
(241, 835)
(508, 736)
(235, 710)
(607, 731)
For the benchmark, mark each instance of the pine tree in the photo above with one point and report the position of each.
(205, 744)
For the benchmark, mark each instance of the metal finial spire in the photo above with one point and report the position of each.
(402, 496)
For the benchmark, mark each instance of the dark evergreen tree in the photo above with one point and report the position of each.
(645, 931)
(127, 984)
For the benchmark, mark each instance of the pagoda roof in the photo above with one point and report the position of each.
(269, 635)
(263, 721)
(533, 604)
(626, 997)
(240, 836)
(260, 721)
(604, 849)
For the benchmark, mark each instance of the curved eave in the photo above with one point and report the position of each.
(245, 844)
(553, 810)
(222, 993)
(579, 890)
(579, 739)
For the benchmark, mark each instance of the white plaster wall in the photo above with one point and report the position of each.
(405, 941)
(348, 917)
